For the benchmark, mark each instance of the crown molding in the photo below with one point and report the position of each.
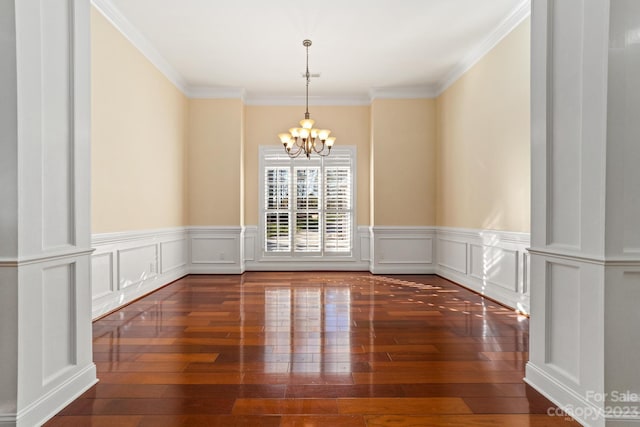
(131, 33)
(508, 24)
(339, 100)
(211, 92)
(407, 92)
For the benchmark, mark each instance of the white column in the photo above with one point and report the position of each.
(585, 255)
(45, 297)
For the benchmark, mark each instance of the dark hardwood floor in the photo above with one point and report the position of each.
(311, 349)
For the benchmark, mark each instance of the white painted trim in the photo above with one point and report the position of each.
(504, 236)
(131, 33)
(508, 24)
(495, 280)
(632, 261)
(338, 100)
(35, 259)
(390, 247)
(562, 396)
(220, 251)
(217, 229)
(43, 409)
(122, 247)
(235, 249)
(124, 236)
(409, 92)
(341, 153)
(302, 265)
(210, 92)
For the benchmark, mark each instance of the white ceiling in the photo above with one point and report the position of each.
(360, 47)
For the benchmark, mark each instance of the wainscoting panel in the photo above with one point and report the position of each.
(173, 255)
(563, 340)
(137, 265)
(452, 255)
(56, 365)
(102, 275)
(216, 250)
(128, 265)
(402, 250)
(58, 320)
(493, 263)
(496, 265)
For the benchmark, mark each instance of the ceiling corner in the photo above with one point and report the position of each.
(503, 29)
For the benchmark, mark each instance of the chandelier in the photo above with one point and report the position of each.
(307, 139)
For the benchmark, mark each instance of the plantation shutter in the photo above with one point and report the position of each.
(277, 219)
(307, 235)
(307, 204)
(337, 209)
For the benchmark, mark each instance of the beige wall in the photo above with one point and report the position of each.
(214, 159)
(350, 126)
(484, 140)
(137, 137)
(403, 164)
(161, 160)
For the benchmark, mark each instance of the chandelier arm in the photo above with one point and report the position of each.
(294, 154)
(320, 150)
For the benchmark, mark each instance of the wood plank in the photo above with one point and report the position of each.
(368, 350)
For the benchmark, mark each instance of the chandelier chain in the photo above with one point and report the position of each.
(307, 43)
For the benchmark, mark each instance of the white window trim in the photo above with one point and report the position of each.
(264, 151)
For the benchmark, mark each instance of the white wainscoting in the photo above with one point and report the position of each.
(128, 265)
(492, 263)
(255, 260)
(216, 250)
(402, 250)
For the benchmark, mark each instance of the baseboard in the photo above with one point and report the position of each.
(571, 403)
(402, 269)
(54, 401)
(307, 266)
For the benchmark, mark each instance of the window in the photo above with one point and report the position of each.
(307, 204)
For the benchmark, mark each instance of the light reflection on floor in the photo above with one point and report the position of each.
(308, 329)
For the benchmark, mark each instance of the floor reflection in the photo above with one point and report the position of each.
(308, 329)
